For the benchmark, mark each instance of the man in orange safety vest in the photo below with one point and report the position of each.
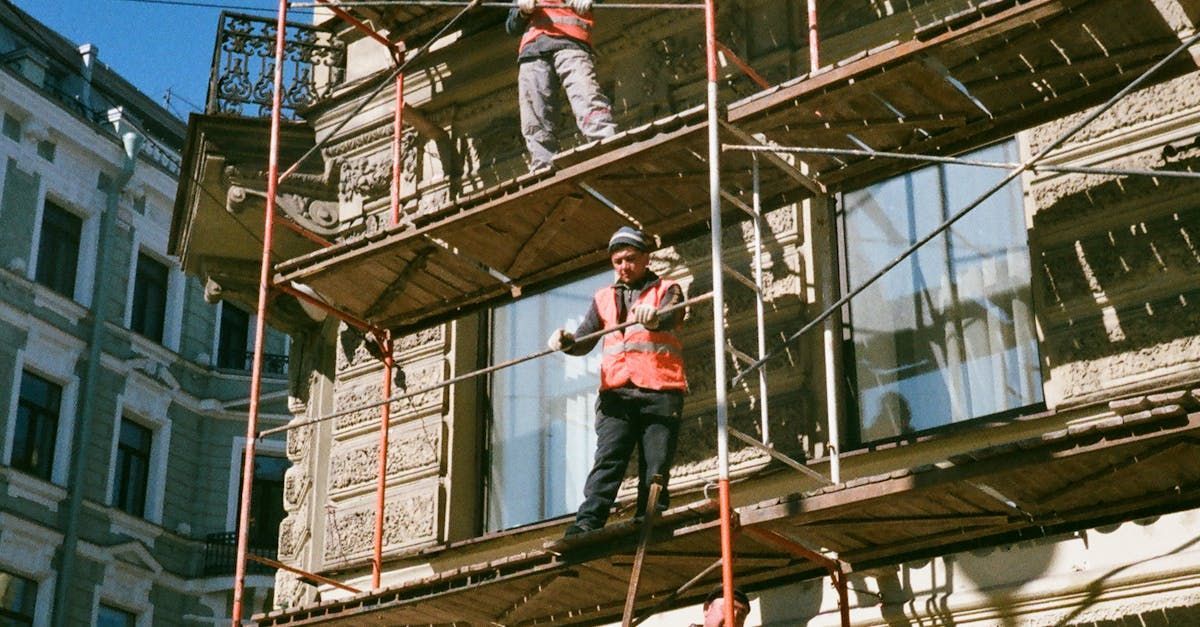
(556, 50)
(642, 381)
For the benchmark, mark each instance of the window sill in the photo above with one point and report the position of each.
(46, 298)
(135, 528)
(33, 489)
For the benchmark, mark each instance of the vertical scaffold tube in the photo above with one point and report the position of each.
(264, 293)
(385, 419)
(760, 305)
(397, 138)
(718, 305)
(814, 41)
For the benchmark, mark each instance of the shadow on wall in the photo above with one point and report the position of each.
(1118, 273)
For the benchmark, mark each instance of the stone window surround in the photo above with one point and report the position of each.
(266, 447)
(173, 321)
(146, 404)
(27, 549)
(89, 235)
(52, 355)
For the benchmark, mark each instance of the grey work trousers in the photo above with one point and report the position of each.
(538, 81)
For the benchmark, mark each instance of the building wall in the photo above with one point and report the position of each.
(1113, 289)
(152, 565)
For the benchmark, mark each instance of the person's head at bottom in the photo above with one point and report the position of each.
(714, 608)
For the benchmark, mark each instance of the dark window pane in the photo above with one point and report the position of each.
(36, 430)
(235, 329)
(133, 468)
(112, 617)
(948, 334)
(18, 596)
(266, 500)
(149, 298)
(58, 250)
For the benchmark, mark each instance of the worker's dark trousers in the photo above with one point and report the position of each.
(620, 426)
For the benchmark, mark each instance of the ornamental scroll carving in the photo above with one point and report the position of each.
(408, 450)
(314, 214)
(407, 520)
(414, 376)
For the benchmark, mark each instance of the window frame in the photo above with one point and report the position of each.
(145, 403)
(31, 618)
(134, 314)
(39, 263)
(853, 434)
(51, 355)
(39, 413)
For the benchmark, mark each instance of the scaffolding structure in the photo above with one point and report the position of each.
(721, 347)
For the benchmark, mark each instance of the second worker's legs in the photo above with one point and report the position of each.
(593, 112)
(537, 91)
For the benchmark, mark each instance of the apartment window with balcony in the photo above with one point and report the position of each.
(18, 596)
(38, 408)
(109, 616)
(58, 249)
(233, 334)
(948, 334)
(149, 308)
(132, 469)
(266, 500)
(541, 436)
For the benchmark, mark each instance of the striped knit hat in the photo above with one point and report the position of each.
(628, 236)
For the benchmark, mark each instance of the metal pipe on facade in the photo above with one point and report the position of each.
(814, 40)
(131, 144)
(760, 302)
(397, 138)
(385, 420)
(264, 294)
(718, 305)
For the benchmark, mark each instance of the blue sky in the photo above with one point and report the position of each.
(154, 45)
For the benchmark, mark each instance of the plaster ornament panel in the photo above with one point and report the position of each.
(358, 139)
(291, 592)
(299, 441)
(293, 536)
(314, 214)
(1143, 106)
(296, 486)
(365, 177)
(408, 450)
(407, 520)
(413, 377)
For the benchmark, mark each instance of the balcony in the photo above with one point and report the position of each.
(244, 64)
(220, 556)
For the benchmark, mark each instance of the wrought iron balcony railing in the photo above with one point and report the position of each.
(243, 66)
(220, 555)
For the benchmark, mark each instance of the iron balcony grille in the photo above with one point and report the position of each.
(220, 556)
(244, 64)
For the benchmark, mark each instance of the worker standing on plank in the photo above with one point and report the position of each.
(556, 49)
(642, 381)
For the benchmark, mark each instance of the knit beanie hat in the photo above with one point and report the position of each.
(628, 236)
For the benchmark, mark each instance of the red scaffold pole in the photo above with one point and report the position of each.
(718, 305)
(397, 137)
(385, 420)
(264, 293)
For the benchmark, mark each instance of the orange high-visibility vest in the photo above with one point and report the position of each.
(558, 21)
(649, 359)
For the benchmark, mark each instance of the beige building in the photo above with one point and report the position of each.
(995, 425)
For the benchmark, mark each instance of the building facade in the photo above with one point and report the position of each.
(1055, 320)
(123, 394)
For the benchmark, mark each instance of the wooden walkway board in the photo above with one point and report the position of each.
(974, 79)
(1055, 483)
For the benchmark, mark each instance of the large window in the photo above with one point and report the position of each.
(542, 439)
(234, 331)
(36, 432)
(18, 596)
(948, 334)
(132, 468)
(58, 249)
(149, 308)
(109, 616)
